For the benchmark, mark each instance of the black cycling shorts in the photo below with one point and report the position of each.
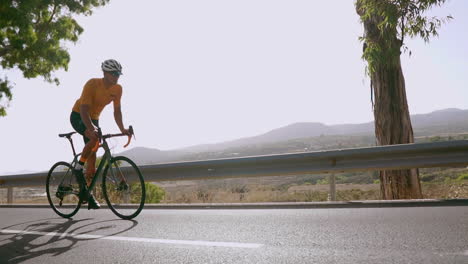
(79, 126)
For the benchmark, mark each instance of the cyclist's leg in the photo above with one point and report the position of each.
(91, 167)
(90, 170)
(91, 157)
(80, 127)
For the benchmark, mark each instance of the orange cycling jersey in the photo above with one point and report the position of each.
(97, 96)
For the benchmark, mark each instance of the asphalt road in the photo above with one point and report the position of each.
(346, 235)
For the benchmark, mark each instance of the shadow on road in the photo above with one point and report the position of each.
(20, 246)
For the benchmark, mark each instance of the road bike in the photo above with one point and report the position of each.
(123, 186)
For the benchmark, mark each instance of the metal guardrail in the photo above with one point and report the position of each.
(404, 156)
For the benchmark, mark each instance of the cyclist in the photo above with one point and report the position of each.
(96, 94)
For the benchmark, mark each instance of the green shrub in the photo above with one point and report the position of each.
(154, 193)
(313, 196)
(463, 177)
(323, 181)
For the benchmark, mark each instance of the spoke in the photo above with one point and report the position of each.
(62, 190)
(122, 177)
(124, 187)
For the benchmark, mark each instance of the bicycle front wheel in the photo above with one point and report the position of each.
(63, 190)
(124, 187)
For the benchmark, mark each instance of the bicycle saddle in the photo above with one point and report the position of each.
(67, 134)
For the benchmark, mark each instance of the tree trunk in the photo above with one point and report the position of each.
(391, 114)
(393, 126)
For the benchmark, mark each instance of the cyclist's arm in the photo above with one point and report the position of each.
(118, 119)
(86, 100)
(118, 112)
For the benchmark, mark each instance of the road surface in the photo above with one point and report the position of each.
(333, 235)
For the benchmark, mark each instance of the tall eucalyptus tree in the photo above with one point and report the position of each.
(386, 24)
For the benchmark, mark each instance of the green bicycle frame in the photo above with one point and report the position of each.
(106, 158)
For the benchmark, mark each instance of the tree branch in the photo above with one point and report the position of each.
(403, 16)
(53, 13)
(43, 27)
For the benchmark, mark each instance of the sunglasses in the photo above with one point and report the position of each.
(115, 73)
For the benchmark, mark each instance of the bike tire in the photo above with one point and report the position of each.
(125, 203)
(61, 185)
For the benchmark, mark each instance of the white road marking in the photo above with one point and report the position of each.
(136, 239)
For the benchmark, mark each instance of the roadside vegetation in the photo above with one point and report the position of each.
(436, 183)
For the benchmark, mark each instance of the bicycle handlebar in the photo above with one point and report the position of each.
(130, 129)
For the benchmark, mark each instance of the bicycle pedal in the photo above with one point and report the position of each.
(93, 203)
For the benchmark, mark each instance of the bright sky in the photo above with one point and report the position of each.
(208, 71)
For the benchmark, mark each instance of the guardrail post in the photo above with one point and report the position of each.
(9, 195)
(332, 194)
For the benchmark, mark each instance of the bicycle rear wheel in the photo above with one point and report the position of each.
(63, 190)
(124, 187)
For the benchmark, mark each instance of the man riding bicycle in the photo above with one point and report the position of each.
(96, 94)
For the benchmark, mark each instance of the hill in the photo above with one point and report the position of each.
(443, 121)
(306, 137)
(144, 156)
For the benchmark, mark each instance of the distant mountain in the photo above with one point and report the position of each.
(144, 156)
(450, 120)
(436, 123)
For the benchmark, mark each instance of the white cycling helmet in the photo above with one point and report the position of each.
(111, 66)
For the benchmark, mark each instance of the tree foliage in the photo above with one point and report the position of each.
(32, 33)
(396, 19)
